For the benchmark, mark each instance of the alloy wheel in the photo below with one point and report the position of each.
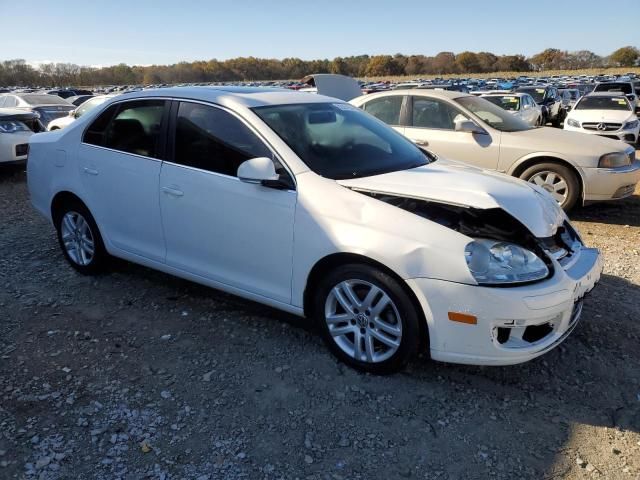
(77, 238)
(553, 183)
(363, 321)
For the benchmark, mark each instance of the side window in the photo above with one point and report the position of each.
(95, 134)
(136, 128)
(432, 113)
(212, 139)
(386, 109)
(10, 102)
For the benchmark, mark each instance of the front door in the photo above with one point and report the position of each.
(432, 125)
(215, 225)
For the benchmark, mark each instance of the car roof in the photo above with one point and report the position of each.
(427, 92)
(246, 96)
(605, 94)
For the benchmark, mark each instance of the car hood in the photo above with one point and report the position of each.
(609, 116)
(454, 183)
(549, 139)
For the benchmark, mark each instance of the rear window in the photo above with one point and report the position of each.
(44, 100)
(614, 87)
(510, 103)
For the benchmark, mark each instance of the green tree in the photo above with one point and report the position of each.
(625, 57)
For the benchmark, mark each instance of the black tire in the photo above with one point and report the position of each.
(409, 318)
(98, 261)
(563, 172)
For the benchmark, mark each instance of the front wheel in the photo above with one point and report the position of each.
(79, 238)
(367, 319)
(558, 180)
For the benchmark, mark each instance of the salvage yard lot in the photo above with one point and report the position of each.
(136, 374)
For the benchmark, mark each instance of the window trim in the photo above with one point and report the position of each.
(171, 134)
(163, 127)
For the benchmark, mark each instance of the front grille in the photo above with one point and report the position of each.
(22, 149)
(602, 126)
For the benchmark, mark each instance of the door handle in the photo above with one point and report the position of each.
(422, 143)
(174, 192)
(90, 171)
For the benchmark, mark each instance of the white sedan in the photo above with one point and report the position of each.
(310, 205)
(73, 115)
(606, 114)
(574, 168)
(521, 105)
(16, 126)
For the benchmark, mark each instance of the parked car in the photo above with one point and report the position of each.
(307, 204)
(547, 97)
(73, 115)
(574, 168)
(624, 88)
(521, 105)
(78, 100)
(605, 114)
(569, 97)
(47, 107)
(16, 127)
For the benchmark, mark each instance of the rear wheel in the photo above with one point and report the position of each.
(560, 181)
(79, 238)
(367, 319)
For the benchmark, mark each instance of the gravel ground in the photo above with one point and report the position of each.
(135, 374)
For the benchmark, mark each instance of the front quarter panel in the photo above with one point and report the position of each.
(333, 219)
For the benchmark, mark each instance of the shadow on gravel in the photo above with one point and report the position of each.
(622, 212)
(12, 172)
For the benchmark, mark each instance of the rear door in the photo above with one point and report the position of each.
(432, 125)
(120, 159)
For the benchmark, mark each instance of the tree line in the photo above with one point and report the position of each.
(20, 73)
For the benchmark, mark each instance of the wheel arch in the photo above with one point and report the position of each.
(524, 163)
(63, 197)
(333, 260)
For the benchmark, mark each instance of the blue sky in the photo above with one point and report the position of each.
(147, 32)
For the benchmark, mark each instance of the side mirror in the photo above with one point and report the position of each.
(72, 113)
(257, 170)
(469, 127)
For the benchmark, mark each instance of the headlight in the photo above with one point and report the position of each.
(497, 263)
(573, 123)
(12, 126)
(613, 160)
(630, 125)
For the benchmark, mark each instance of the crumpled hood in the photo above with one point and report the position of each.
(550, 139)
(455, 183)
(608, 116)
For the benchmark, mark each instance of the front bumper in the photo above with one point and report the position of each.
(514, 324)
(628, 136)
(610, 183)
(12, 146)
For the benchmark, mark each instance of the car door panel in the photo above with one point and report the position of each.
(217, 226)
(122, 187)
(479, 150)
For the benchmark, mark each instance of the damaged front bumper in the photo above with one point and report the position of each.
(513, 325)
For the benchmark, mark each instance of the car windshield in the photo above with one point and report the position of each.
(603, 103)
(536, 92)
(506, 102)
(45, 100)
(340, 141)
(493, 115)
(89, 105)
(614, 87)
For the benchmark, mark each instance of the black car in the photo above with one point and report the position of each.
(548, 98)
(47, 107)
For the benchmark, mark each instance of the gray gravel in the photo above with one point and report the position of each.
(138, 375)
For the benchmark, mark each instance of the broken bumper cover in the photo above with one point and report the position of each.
(514, 324)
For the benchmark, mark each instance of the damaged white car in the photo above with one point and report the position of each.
(310, 205)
